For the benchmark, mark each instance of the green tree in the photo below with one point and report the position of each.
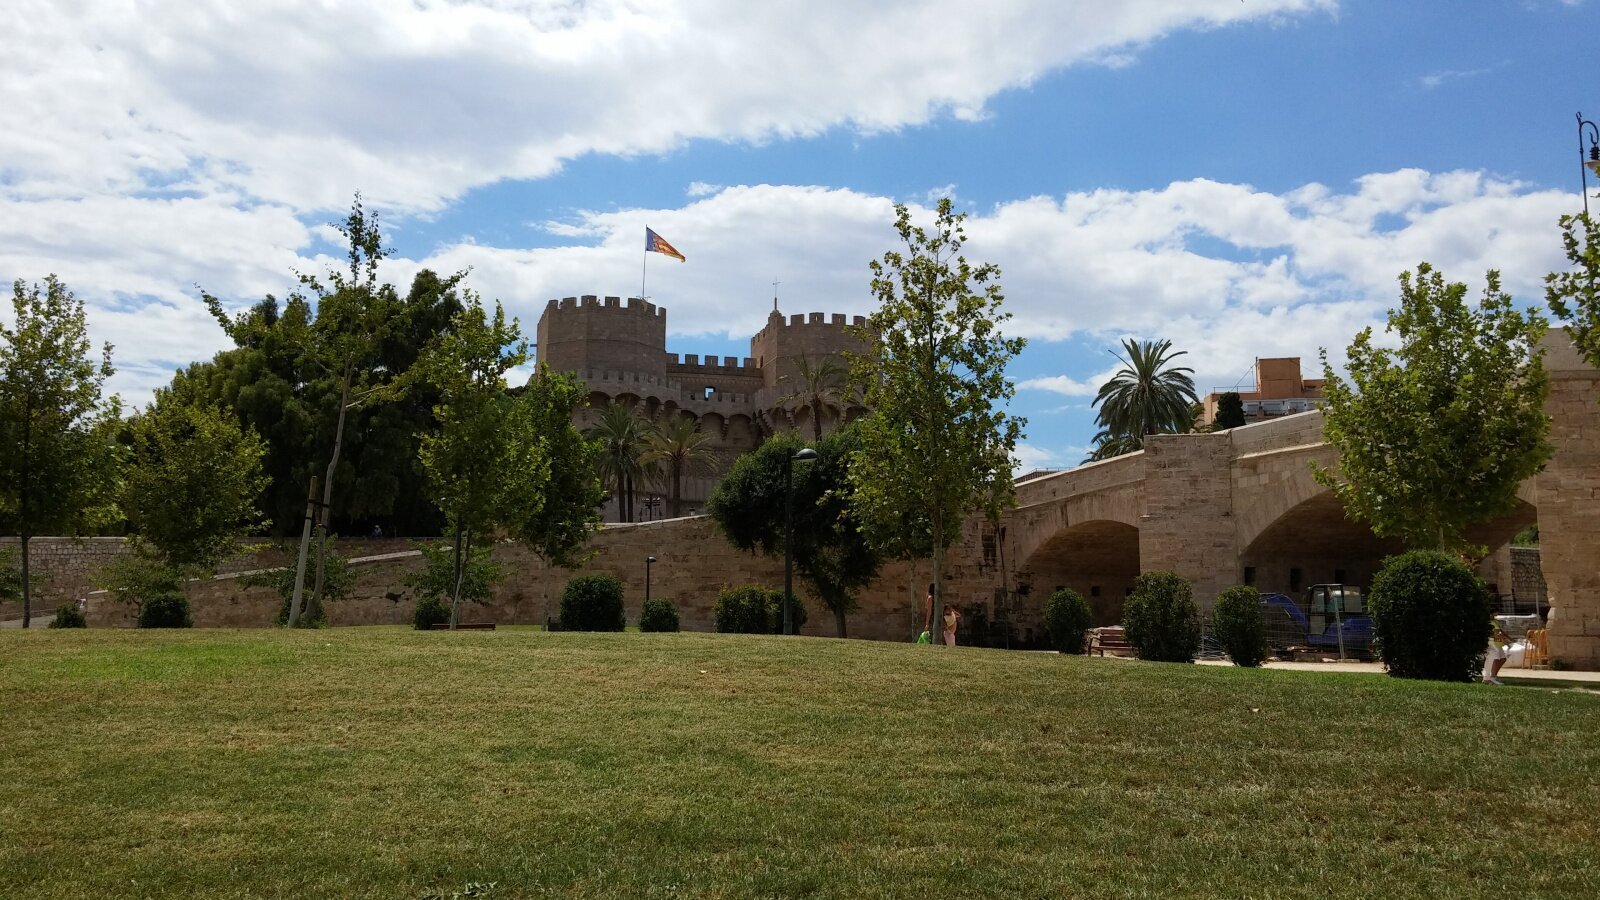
(58, 456)
(1230, 412)
(829, 550)
(818, 387)
(621, 436)
(1574, 295)
(937, 446)
(680, 449)
(191, 486)
(1106, 444)
(1436, 435)
(1148, 395)
(558, 529)
(486, 467)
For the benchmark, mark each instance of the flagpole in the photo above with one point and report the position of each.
(645, 266)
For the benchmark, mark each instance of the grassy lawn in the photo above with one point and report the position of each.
(381, 762)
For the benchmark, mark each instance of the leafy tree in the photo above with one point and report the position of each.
(829, 550)
(680, 449)
(818, 387)
(937, 446)
(436, 580)
(340, 583)
(57, 452)
(194, 477)
(558, 529)
(1230, 412)
(485, 465)
(1148, 395)
(621, 436)
(1574, 296)
(1436, 435)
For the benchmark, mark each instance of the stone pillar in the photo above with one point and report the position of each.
(1186, 521)
(1569, 505)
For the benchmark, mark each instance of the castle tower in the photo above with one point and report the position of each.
(585, 334)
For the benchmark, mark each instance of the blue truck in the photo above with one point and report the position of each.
(1332, 619)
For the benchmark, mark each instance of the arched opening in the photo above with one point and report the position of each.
(1315, 543)
(1099, 559)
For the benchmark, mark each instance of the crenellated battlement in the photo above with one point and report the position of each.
(730, 365)
(634, 306)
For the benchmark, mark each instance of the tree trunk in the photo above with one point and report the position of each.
(460, 573)
(27, 589)
(838, 617)
(816, 419)
(677, 490)
(938, 577)
(298, 595)
(315, 605)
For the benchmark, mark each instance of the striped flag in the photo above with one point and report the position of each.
(653, 243)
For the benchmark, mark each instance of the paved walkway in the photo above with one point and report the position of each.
(1588, 680)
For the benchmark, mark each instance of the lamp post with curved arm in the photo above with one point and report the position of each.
(1589, 159)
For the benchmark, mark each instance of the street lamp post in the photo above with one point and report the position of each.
(1589, 160)
(648, 562)
(805, 455)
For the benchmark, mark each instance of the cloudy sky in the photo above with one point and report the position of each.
(1244, 178)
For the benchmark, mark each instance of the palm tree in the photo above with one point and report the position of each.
(1147, 396)
(678, 445)
(818, 387)
(622, 436)
(1105, 445)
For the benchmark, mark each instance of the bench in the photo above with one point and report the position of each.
(462, 626)
(1113, 639)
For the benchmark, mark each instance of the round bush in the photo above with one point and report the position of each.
(1160, 618)
(68, 616)
(752, 609)
(1239, 627)
(1430, 617)
(1067, 619)
(658, 615)
(166, 611)
(431, 611)
(592, 603)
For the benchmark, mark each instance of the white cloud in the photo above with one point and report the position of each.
(293, 102)
(1226, 271)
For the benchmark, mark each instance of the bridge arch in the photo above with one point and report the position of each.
(1098, 558)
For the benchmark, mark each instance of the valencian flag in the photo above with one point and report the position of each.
(654, 244)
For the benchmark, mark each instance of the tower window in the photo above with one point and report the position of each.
(1294, 579)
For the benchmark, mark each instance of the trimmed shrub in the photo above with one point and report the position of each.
(1160, 618)
(1430, 617)
(1239, 626)
(1066, 620)
(431, 611)
(658, 615)
(592, 603)
(165, 611)
(752, 609)
(69, 616)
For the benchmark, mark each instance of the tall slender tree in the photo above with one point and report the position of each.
(58, 455)
(1148, 395)
(485, 464)
(680, 449)
(938, 444)
(620, 432)
(558, 529)
(818, 387)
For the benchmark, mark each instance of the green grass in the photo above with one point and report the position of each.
(381, 762)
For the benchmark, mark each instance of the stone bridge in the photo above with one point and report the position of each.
(1241, 507)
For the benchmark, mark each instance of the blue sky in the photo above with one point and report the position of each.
(1243, 178)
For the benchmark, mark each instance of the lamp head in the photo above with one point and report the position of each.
(649, 559)
(805, 455)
